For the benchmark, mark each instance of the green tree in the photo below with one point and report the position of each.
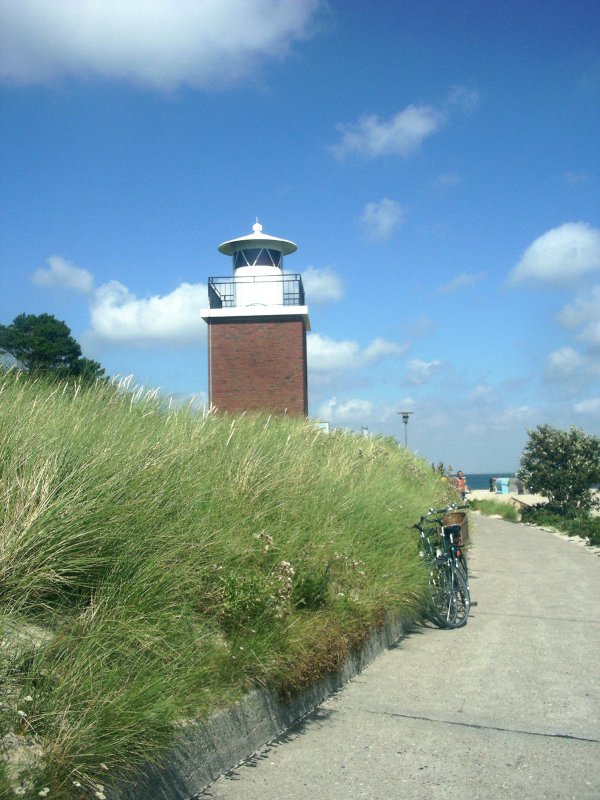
(41, 343)
(562, 465)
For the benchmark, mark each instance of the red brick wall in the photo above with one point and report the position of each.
(258, 364)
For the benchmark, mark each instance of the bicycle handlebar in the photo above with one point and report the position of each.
(442, 511)
(451, 507)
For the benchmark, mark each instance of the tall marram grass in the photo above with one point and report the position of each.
(154, 565)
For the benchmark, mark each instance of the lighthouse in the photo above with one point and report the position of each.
(257, 323)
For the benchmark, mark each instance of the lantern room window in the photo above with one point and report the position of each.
(257, 256)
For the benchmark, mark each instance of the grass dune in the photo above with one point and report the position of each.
(156, 564)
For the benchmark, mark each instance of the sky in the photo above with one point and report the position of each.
(437, 163)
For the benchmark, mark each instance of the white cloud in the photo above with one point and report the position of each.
(419, 327)
(322, 285)
(499, 418)
(448, 180)
(379, 349)
(119, 317)
(346, 412)
(63, 275)
(591, 334)
(419, 372)
(518, 413)
(379, 220)
(463, 281)
(590, 406)
(401, 135)
(462, 98)
(482, 395)
(563, 363)
(585, 308)
(325, 354)
(560, 256)
(576, 178)
(356, 413)
(161, 44)
(584, 311)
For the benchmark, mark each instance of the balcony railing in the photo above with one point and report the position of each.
(258, 290)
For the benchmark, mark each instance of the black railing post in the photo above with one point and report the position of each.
(214, 298)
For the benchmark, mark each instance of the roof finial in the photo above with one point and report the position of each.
(257, 227)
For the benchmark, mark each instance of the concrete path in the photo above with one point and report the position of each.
(507, 707)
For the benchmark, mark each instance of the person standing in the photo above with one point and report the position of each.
(461, 483)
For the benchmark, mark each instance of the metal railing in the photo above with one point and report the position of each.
(230, 292)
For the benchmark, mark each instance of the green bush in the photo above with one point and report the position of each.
(563, 466)
(586, 526)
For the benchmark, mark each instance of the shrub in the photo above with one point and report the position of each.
(587, 527)
(563, 466)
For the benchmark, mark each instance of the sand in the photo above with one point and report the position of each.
(485, 494)
(528, 499)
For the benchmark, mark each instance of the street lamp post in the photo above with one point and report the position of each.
(405, 416)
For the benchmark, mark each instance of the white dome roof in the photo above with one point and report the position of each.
(257, 239)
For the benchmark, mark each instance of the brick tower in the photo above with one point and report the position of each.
(257, 323)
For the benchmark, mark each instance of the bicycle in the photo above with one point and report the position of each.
(452, 536)
(449, 596)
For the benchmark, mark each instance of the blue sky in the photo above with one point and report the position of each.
(437, 163)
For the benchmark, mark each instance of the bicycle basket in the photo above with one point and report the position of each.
(458, 519)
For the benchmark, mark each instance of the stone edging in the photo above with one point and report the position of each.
(207, 749)
(572, 538)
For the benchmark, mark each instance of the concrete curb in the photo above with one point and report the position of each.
(207, 749)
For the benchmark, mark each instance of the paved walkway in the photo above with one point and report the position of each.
(506, 708)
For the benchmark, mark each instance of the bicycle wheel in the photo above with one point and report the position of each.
(449, 595)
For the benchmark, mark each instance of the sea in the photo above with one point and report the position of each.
(481, 480)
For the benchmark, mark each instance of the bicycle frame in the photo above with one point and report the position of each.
(450, 535)
(448, 583)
